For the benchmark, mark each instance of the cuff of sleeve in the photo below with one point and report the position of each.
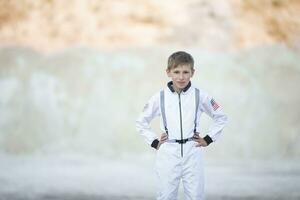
(208, 139)
(155, 143)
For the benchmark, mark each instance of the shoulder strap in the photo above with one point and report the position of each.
(163, 113)
(162, 108)
(197, 101)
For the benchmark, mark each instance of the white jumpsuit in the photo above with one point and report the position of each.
(176, 161)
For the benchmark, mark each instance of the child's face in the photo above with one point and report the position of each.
(180, 76)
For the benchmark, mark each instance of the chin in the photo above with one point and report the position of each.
(182, 86)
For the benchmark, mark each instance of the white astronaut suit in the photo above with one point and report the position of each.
(179, 158)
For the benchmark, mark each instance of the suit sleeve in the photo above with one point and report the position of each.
(150, 111)
(215, 112)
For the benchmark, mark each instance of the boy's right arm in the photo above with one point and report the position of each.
(150, 111)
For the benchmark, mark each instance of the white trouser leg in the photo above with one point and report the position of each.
(168, 171)
(193, 173)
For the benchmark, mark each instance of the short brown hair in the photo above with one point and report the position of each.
(180, 58)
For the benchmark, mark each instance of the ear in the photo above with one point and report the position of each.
(168, 72)
(193, 71)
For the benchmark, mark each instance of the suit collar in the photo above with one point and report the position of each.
(170, 86)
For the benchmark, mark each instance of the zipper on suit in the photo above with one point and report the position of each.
(180, 124)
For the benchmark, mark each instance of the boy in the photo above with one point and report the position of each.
(179, 152)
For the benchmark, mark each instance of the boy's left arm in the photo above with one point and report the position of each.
(214, 110)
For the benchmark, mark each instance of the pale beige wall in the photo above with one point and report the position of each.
(86, 101)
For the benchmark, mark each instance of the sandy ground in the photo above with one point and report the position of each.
(65, 177)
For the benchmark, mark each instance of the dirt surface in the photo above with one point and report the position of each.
(66, 177)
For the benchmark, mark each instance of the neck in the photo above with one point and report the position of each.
(178, 90)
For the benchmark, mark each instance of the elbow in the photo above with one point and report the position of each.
(221, 118)
(138, 124)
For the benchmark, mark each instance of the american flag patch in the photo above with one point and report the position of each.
(214, 104)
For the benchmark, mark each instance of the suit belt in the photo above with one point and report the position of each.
(183, 141)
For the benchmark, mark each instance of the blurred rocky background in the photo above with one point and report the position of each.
(216, 25)
(74, 75)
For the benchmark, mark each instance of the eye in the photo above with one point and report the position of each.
(176, 72)
(186, 72)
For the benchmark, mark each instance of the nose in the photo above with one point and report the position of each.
(181, 76)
